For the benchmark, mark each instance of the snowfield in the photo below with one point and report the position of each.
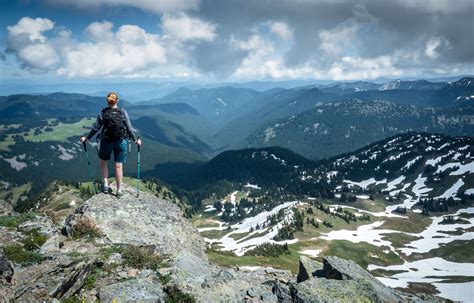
(239, 247)
(437, 268)
(432, 236)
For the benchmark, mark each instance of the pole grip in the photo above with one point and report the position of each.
(84, 145)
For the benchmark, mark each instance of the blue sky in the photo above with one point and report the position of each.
(230, 40)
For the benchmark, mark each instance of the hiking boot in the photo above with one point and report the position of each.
(106, 189)
(120, 193)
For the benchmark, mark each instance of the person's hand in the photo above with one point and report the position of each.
(83, 139)
(139, 141)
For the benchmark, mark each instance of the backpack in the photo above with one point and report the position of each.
(114, 127)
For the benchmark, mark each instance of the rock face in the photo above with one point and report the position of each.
(143, 221)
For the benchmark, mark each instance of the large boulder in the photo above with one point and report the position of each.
(142, 221)
(308, 269)
(146, 290)
(342, 269)
(340, 280)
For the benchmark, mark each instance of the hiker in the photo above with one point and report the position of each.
(116, 128)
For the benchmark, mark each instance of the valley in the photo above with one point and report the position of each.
(269, 176)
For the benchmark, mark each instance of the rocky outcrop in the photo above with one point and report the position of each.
(97, 266)
(143, 221)
(341, 280)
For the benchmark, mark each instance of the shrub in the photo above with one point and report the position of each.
(175, 295)
(86, 228)
(33, 240)
(141, 257)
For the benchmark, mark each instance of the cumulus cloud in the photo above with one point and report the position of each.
(31, 47)
(282, 30)
(31, 28)
(125, 52)
(182, 27)
(99, 31)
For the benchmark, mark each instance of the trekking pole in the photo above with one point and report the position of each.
(138, 171)
(89, 166)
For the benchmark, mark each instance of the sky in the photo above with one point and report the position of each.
(230, 40)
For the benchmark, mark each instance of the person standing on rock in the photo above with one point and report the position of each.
(116, 128)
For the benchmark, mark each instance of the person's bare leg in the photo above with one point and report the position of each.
(118, 174)
(104, 171)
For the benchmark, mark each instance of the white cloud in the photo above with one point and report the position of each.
(38, 57)
(107, 53)
(263, 61)
(182, 27)
(32, 28)
(99, 31)
(336, 41)
(31, 47)
(155, 6)
(282, 30)
(435, 45)
(129, 50)
(355, 68)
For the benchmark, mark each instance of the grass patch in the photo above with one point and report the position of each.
(60, 132)
(15, 221)
(399, 239)
(362, 253)
(238, 236)
(229, 259)
(416, 223)
(377, 205)
(459, 231)
(201, 222)
(420, 288)
(17, 253)
(379, 272)
(215, 234)
(62, 206)
(240, 195)
(459, 251)
(16, 193)
(453, 279)
(256, 235)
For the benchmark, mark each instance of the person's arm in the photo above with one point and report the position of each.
(96, 127)
(130, 129)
